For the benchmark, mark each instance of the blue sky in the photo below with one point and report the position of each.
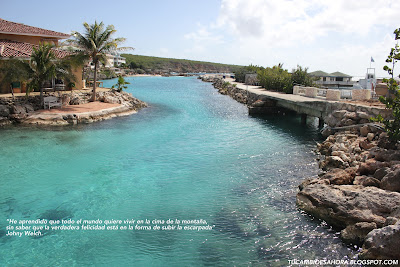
(329, 35)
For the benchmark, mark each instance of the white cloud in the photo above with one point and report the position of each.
(282, 22)
(330, 35)
(202, 35)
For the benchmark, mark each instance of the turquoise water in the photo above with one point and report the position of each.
(193, 154)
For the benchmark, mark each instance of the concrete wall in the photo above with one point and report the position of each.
(78, 78)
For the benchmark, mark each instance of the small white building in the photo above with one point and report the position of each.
(114, 60)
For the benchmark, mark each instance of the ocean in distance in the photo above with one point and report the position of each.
(192, 154)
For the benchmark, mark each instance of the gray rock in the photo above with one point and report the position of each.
(313, 181)
(4, 121)
(370, 166)
(380, 173)
(75, 101)
(352, 108)
(382, 243)
(363, 115)
(370, 136)
(350, 115)
(356, 233)
(29, 108)
(366, 181)
(364, 130)
(339, 113)
(331, 162)
(391, 221)
(4, 111)
(18, 109)
(340, 176)
(391, 181)
(347, 122)
(65, 99)
(362, 121)
(258, 103)
(331, 121)
(343, 205)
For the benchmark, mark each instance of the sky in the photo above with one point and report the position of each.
(327, 35)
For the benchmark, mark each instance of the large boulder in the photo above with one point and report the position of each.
(4, 111)
(356, 233)
(370, 166)
(28, 108)
(339, 176)
(17, 109)
(366, 181)
(332, 162)
(391, 181)
(343, 205)
(111, 99)
(383, 243)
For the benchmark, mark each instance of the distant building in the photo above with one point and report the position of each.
(332, 80)
(114, 60)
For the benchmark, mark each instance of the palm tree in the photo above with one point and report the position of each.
(42, 66)
(94, 44)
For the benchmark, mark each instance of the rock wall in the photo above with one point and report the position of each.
(20, 109)
(344, 114)
(358, 191)
(255, 103)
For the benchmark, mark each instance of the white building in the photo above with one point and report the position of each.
(114, 60)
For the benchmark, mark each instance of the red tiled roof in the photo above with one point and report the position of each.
(10, 48)
(10, 27)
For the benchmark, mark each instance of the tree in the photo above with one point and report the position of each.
(121, 84)
(12, 70)
(393, 100)
(42, 66)
(301, 77)
(94, 44)
(275, 78)
(240, 74)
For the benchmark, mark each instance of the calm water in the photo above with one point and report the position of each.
(193, 154)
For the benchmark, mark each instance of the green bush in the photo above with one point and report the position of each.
(301, 77)
(276, 79)
(392, 102)
(240, 74)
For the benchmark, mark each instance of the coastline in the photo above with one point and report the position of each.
(75, 109)
(358, 189)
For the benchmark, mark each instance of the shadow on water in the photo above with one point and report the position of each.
(290, 123)
(56, 214)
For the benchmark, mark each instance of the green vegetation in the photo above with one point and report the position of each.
(121, 84)
(158, 65)
(42, 66)
(301, 76)
(240, 74)
(94, 44)
(393, 100)
(276, 78)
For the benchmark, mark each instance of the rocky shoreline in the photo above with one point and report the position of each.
(358, 189)
(22, 110)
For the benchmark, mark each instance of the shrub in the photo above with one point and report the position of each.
(301, 77)
(393, 100)
(276, 79)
